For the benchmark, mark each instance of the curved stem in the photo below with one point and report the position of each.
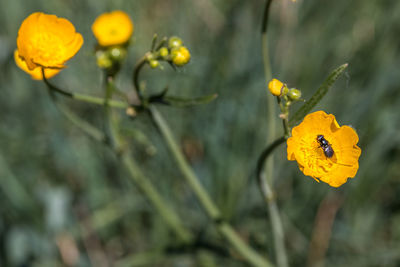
(266, 153)
(251, 256)
(139, 65)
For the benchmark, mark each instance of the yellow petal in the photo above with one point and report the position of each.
(47, 41)
(36, 73)
(304, 147)
(114, 28)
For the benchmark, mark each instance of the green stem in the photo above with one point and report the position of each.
(99, 101)
(285, 116)
(141, 181)
(270, 201)
(251, 256)
(86, 127)
(270, 98)
(156, 200)
(266, 153)
(83, 97)
(139, 65)
(266, 178)
(264, 42)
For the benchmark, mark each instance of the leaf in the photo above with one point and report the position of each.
(185, 102)
(319, 94)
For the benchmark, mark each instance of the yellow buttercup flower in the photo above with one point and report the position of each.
(114, 28)
(323, 149)
(36, 73)
(275, 87)
(47, 41)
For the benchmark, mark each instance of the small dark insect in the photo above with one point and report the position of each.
(324, 144)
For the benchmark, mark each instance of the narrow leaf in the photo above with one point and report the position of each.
(319, 94)
(185, 102)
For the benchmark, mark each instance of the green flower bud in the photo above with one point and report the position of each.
(149, 56)
(174, 42)
(294, 94)
(154, 63)
(163, 52)
(103, 60)
(180, 56)
(117, 53)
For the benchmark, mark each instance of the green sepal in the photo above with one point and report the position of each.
(186, 102)
(319, 94)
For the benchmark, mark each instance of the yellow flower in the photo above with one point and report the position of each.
(36, 73)
(275, 87)
(113, 28)
(180, 56)
(314, 158)
(47, 41)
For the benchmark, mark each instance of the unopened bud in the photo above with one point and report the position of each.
(117, 53)
(154, 63)
(174, 42)
(294, 94)
(103, 61)
(276, 87)
(163, 52)
(180, 56)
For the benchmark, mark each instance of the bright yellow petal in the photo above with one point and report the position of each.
(304, 147)
(114, 28)
(47, 41)
(320, 121)
(36, 73)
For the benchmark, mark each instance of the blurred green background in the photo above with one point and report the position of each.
(61, 192)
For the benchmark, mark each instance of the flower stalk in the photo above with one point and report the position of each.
(251, 256)
(84, 98)
(138, 177)
(265, 177)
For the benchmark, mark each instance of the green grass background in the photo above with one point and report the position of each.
(54, 181)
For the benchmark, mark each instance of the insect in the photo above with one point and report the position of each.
(326, 147)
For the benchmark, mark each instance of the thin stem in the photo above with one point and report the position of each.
(156, 200)
(99, 101)
(264, 42)
(270, 199)
(266, 178)
(141, 181)
(85, 126)
(266, 153)
(83, 97)
(270, 98)
(284, 116)
(139, 65)
(251, 256)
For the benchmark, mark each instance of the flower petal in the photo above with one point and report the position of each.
(47, 41)
(309, 153)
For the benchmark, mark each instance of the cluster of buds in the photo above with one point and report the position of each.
(110, 57)
(277, 88)
(173, 52)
